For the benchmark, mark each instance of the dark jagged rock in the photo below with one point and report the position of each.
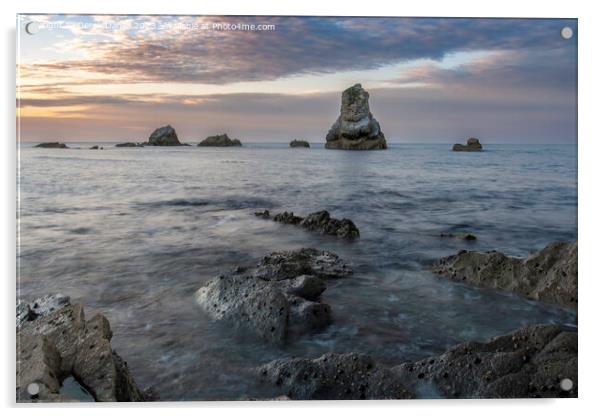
(279, 298)
(54, 342)
(472, 145)
(349, 376)
(283, 265)
(288, 218)
(95, 147)
(355, 128)
(549, 275)
(220, 140)
(129, 144)
(52, 145)
(322, 222)
(534, 361)
(530, 362)
(164, 136)
(299, 143)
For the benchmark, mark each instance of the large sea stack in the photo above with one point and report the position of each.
(355, 129)
(164, 136)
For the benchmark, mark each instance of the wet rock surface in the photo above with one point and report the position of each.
(355, 128)
(279, 298)
(549, 275)
(534, 361)
(52, 145)
(320, 222)
(349, 376)
(472, 145)
(59, 343)
(164, 136)
(530, 362)
(220, 140)
(299, 143)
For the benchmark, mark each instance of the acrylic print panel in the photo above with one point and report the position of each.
(266, 208)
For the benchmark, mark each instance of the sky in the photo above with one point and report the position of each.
(274, 79)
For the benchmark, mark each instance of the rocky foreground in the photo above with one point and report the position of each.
(355, 128)
(277, 299)
(319, 222)
(535, 361)
(55, 342)
(549, 275)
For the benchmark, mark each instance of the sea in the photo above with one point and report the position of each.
(132, 233)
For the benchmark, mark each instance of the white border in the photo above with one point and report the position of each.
(590, 152)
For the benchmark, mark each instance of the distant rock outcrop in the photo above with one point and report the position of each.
(355, 129)
(95, 147)
(320, 222)
(277, 299)
(55, 342)
(220, 140)
(52, 145)
(549, 275)
(164, 136)
(129, 144)
(299, 143)
(472, 145)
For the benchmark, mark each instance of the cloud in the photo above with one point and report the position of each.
(298, 45)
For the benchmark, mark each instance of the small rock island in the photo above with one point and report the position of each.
(472, 145)
(355, 129)
(164, 136)
(220, 140)
(52, 145)
(299, 143)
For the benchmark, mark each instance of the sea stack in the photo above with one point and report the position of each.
(472, 145)
(164, 136)
(220, 140)
(52, 145)
(355, 129)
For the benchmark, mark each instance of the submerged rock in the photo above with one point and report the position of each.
(279, 298)
(549, 275)
(355, 128)
(320, 222)
(52, 145)
(466, 237)
(299, 143)
(534, 361)
(55, 342)
(220, 140)
(349, 376)
(472, 145)
(164, 136)
(530, 362)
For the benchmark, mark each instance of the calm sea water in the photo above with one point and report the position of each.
(133, 233)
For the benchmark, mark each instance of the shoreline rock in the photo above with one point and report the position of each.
(472, 145)
(52, 145)
(164, 136)
(355, 128)
(465, 237)
(55, 342)
(549, 275)
(279, 298)
(529, 362)
(320, 222)
(220, 140)
(299, 143)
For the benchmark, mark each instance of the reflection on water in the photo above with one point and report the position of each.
(132, 233)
